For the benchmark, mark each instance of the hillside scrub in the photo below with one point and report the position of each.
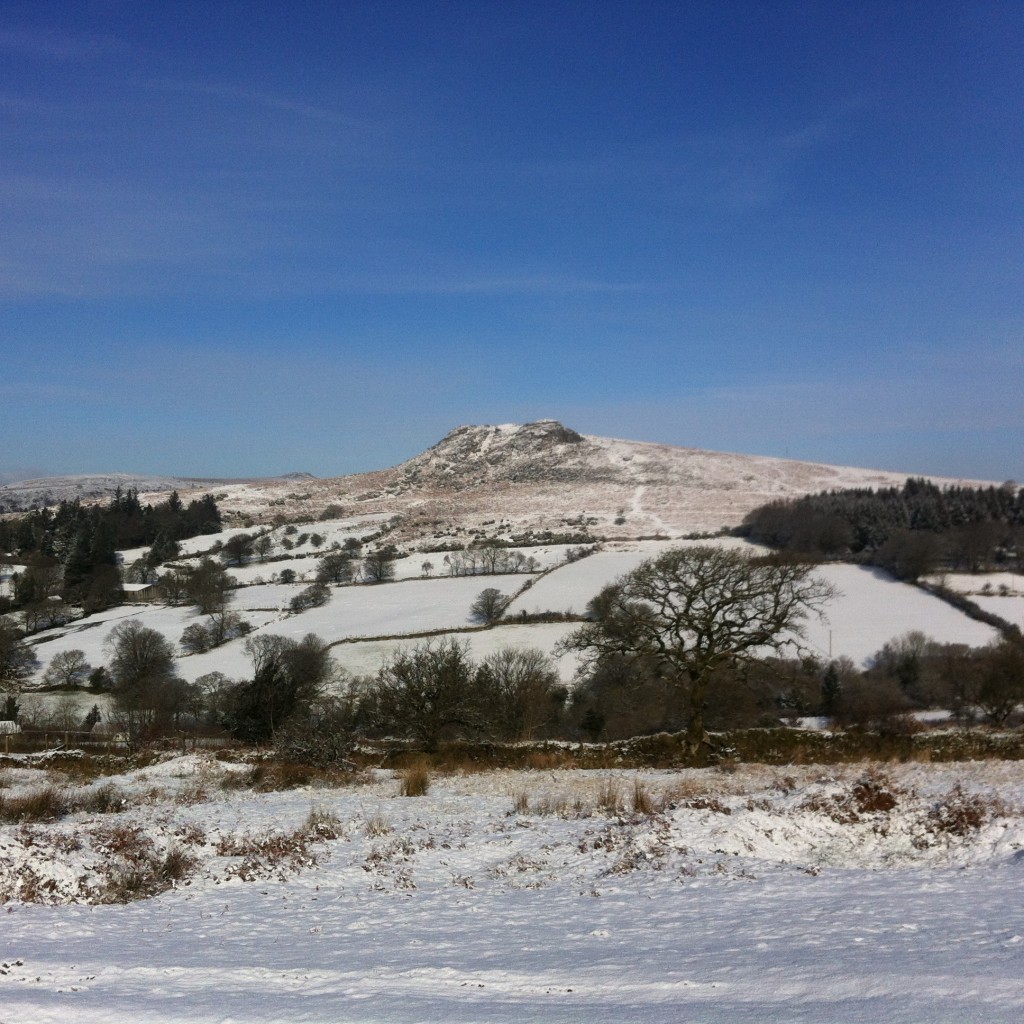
(435, 692)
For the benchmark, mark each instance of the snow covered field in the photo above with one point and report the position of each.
(1009, 608)
(869, 610)
(766, 894)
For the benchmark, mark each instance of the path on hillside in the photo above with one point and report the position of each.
(638, 511)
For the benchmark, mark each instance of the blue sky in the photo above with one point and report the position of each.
(249, 238)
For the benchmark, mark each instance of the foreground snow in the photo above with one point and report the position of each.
(762, 895)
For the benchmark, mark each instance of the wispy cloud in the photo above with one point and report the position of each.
(735, 167)
(52, 44)
(270, 101)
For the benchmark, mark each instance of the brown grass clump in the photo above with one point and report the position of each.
(48, 803)
(415, 779)
(105, 799)
(643, 801)
(545, 760)
(707, 803)
(959, 813)
(269, 776)
(137, 869)
(609, 797)
(147, 876)
(271, 856)
(874, 793)
(688, 787)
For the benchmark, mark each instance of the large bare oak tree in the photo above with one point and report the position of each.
(697, 609)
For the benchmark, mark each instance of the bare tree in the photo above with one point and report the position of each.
(335, 567)
(145, 688)
(489, 606)
(208, 586)
(427, 694)
(263, 545)
(17, 659)
(288, 675)
(521, 691)
(237, 549)
(67, 669)
(314, 596)
(379, 566)
(694, 610)
(1000, 686)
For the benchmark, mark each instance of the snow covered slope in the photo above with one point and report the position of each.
(546, 476)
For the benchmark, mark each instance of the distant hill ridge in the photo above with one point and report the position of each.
(535, 476)
(51, 490)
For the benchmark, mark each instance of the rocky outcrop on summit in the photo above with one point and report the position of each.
(544, 477)
(540, 452)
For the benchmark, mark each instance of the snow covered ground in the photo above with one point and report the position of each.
(870, 609)
(766, 894)
(873, 608)
(1009, 608)
(365, 657)
(1009, 583)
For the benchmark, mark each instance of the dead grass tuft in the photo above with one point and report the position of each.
(609, 797)
(378, 825)
(415, 779)
(323, 824)
(643, 801)
(48, 803)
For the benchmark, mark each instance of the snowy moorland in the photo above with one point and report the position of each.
(850, 893)
(195, 889)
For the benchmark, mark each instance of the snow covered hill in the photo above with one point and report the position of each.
(545, 476)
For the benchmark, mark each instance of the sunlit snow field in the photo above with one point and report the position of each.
(742, 902)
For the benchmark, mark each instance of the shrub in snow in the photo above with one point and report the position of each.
(313, 596)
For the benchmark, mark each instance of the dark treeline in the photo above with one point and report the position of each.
(911, 530)
(626, 695)
(71, 551)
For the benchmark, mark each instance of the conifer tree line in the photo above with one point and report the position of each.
(71, 551)
(910, 530)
